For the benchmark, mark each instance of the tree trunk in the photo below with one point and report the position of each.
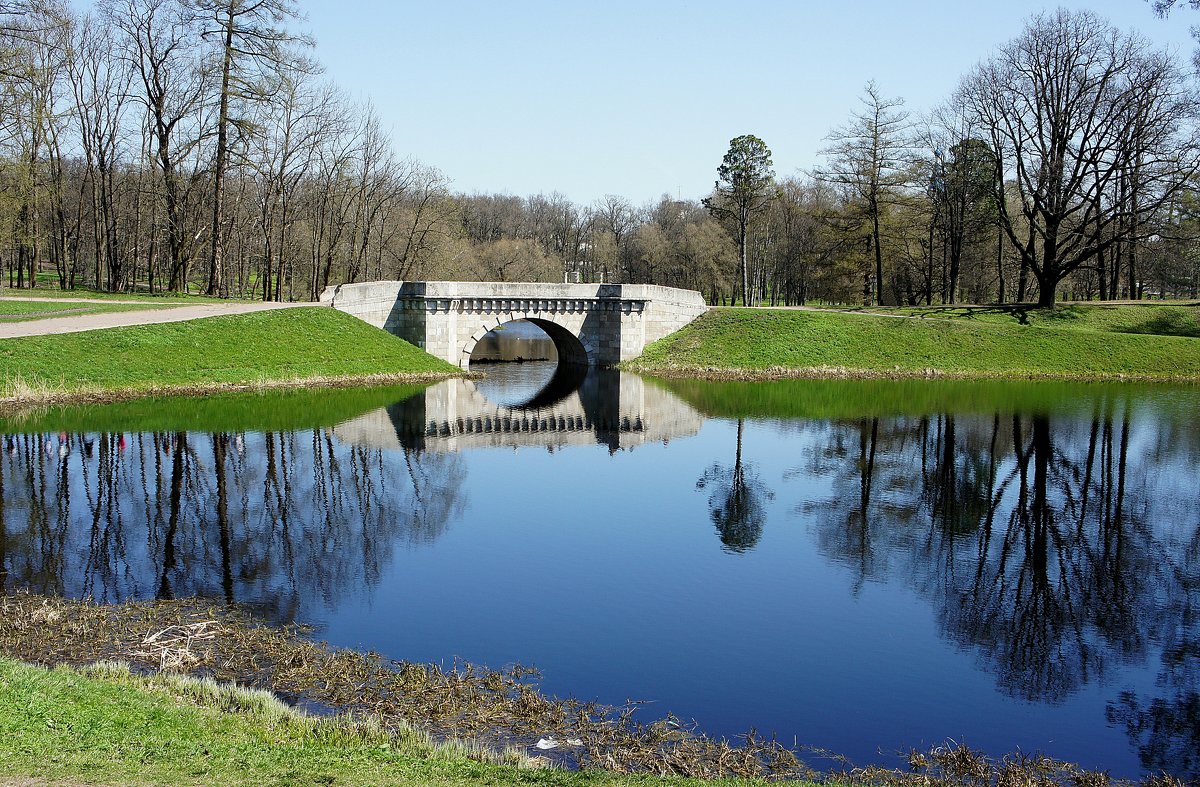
(743, 276)
(878, 253)
(929, 265)
(215, 279)
(1000, 261)
(1047, 291)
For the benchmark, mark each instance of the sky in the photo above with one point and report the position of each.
(641, 99)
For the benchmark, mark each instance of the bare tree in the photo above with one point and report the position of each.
(295, 123)
(963, 177)
(253, 42)
(419, 220)
(1073, 108)
(1163, 7)
(867, 160)
(33, 46)
(510, 259)
(172, 86)
(100, 81)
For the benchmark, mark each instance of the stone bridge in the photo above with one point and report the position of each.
(594, 324)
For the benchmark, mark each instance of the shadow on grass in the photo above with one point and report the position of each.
(1180, 319)
(1018, 312)
(1168, 324)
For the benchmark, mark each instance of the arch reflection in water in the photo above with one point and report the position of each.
(606, 407)
(537, 385)
(281, 520)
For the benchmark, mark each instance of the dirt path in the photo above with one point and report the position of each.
(157, 314)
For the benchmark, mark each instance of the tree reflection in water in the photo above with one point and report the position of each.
(736, 500)
(1042, 544)
(265, 520)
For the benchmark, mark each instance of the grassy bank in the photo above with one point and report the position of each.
(104, 725)
(767, 343)
(289, 346)
(94, 732)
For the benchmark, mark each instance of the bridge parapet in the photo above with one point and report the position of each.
(599, 324)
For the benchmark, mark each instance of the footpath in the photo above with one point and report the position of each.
(154, 313)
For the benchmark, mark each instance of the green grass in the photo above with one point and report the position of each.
(1170, 318)
(766, 342)
(287, 345)
(25, 311)
(107, 726)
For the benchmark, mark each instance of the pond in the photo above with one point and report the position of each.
(863, 567)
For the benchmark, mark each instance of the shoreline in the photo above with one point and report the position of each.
(35, 396)
(500, 711)
(497, 709)
(735, 374)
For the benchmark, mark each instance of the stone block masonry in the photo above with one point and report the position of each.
(597, 324)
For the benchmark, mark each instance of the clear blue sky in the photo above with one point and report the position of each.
(594, 97)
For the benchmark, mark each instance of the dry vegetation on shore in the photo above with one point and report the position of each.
(500, 714)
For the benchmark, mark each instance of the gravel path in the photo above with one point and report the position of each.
(161, 313)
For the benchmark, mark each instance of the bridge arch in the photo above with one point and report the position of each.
(570, 349)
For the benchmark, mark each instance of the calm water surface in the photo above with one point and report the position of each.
(862, 567)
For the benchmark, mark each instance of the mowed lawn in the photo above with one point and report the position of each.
(754, 342)
(272, 346)
(1158, 318)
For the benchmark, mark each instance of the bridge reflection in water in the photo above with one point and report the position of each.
(576, 406)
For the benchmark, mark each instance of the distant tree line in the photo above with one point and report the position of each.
(194, 145)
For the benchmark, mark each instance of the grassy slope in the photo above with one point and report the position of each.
(1177, 318)
(761, 341)
(284, 345)
(115, 728)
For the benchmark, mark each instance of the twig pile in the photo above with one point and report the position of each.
(173, 646)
